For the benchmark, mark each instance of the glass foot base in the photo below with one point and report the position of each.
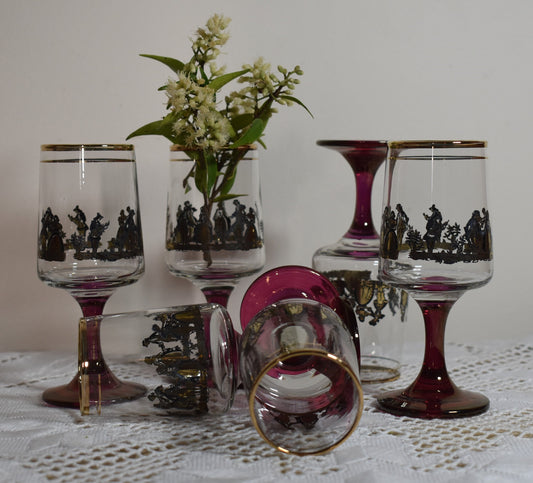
(68, 395)
(376, 370)
(458, 404)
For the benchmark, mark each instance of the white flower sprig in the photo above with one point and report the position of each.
(210, 125)
(198, 119)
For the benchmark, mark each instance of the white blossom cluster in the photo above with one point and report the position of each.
(202, 121)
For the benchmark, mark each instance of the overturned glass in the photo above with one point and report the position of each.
(299, 362)
(185, 356)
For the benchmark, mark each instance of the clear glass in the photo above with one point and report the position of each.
(300, 371)
(185, 356)
(215, 244)
(351, 264)
(89, 239)
(436, 243)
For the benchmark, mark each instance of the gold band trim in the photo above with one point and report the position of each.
(90, 147)
(436, 144)
(310, 352)
(181, 147)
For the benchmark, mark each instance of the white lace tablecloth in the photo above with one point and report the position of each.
(39, 443)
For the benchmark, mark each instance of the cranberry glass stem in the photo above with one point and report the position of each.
(91, 307)
(362, 225)
(218, 295)
(365, 158)
(433, 394)
(99, 384)
(433, 376)
(68, 394)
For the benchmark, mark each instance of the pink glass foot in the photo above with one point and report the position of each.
(111, 390)
(433, 394)
(432, 404)
(105, 387)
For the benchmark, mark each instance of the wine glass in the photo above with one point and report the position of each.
(214, 241)
(90, 243)
(436, 244)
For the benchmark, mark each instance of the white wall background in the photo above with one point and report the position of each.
(70, 73)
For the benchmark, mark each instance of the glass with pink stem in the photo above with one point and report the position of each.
(215, 240)
(436, 244)
(90, 243)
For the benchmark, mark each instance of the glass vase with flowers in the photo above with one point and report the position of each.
(214, 222)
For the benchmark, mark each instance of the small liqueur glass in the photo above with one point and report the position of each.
(436, 243)
(214, 241)
(90, 243)
(185, 356)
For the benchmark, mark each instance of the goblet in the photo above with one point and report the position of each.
(435, 244)
(215, 239)
(90, 243)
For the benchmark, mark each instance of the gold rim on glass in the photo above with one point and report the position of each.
(181, 147)
(90, 147)
(309, 352)
(436, 144)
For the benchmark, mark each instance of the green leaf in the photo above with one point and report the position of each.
(200, 176)
(226, 197)
(229, 179)
(174, 64)
(241, 121)
(212, 171)
(163, 127)
(252, 134)
(222, 80)
(297, 101)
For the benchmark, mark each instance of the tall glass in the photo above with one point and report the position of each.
(436, 243)
(90, 242)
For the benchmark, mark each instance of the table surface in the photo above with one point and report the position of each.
(128, 443)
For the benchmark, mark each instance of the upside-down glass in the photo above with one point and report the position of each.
(214, 242)
(351, 264)
(300, 361)
(185, 356)
(435, 243)
(90, 242)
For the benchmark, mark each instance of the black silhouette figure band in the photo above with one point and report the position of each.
(442, 241)
(87, 240)
(238, 231)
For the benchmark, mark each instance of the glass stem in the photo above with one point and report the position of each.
(433, 377)
(364, 171)
(91, 307)
(218, 295)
